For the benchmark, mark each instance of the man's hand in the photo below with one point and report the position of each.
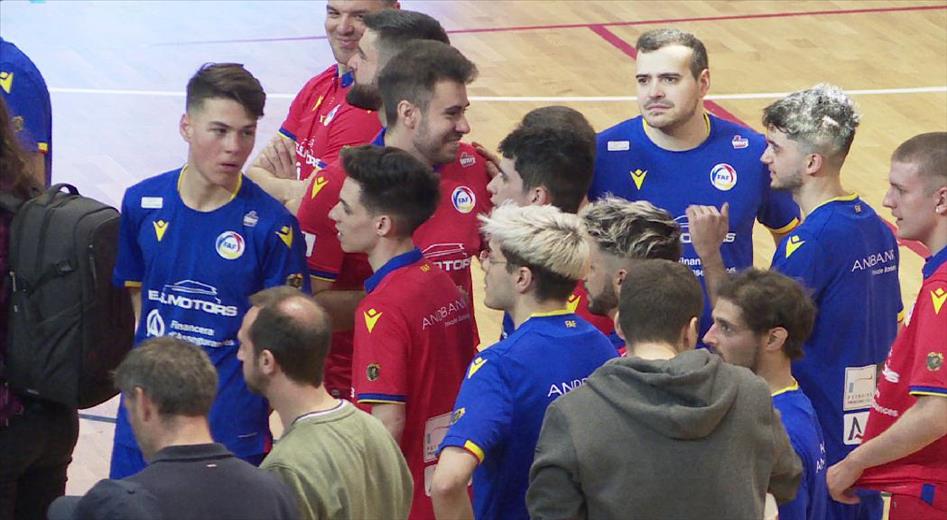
(279, 158)
(493, 160)
(840, 479)
(708, 228)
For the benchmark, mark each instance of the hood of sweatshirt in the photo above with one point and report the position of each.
(682, 398)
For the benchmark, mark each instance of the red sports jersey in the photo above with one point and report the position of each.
(321, 122)
(450, 239)
(915, 366)
(412, 346)
(579, 304)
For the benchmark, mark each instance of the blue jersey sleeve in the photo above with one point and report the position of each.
(130, 264)
(796, 509)
(484, 409)
(778, 211)
(802, 257)
(285, 262)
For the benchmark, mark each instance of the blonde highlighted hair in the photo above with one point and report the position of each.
(539, 236)
(632, 230)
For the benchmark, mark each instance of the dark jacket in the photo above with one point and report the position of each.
(690, 437)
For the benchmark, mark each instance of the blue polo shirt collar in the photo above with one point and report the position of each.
(934, 262)
(402, 260)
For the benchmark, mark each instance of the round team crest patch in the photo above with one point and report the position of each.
(723, 177)
(464, 199)
(230, 245)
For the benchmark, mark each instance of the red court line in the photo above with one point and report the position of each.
(719, 111)
(611, 24)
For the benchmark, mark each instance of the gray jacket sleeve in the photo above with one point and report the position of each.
(787, 468)
(554, 492)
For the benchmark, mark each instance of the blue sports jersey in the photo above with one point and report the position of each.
(503, 399)
(726, 167)
(805, 434)
(846, 255)
(196, 271)
(24, 91)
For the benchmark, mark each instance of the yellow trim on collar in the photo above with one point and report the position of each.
(790, 388)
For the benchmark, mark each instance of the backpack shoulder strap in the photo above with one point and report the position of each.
(10, 202)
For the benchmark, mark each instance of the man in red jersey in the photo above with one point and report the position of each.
(338, 278)
(548, 159)
(413, 328)
(320, 122)
(425, 95)
(904, 450)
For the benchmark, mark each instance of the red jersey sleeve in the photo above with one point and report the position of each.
(324, 253)
(380, 354)
(928, 374)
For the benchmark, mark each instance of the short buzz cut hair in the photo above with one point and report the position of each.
(413, 74)
(295, 329)
(822, 119)
(543, 239)
(396, 27)
(553, 156)
(928, 152)
(656, 39)
(177, 376)
(228, 81)
(767, 300)
(658, 299)
(393, 182)
(632, 230)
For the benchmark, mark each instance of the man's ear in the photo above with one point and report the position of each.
(409, 115)
(524, 280)
(775, 339)
(691, 333)
(266, 361)
(144, 407)
(539, 196)
(187, 131)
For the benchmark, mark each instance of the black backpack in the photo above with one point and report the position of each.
(68, 326)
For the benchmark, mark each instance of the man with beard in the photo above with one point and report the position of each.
(844, 253)
(337, 278)
(761, 320)
(536, 255)
(676, 154)
(339, 462)
(620, 232)
(425, 98)
(320, 122)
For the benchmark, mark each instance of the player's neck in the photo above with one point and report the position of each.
(686, 136)
(183, 431)
(817, 191)
(938, 240)
(654, 351)
(398, 137)
(777, 373)
(201, 195)
(388, 248)
(527, 305)
(292, 400)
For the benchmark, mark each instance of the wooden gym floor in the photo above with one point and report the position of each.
(117, 70)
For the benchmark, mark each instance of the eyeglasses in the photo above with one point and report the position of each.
(485, 259)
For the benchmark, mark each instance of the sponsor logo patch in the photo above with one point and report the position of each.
(317, 184)
(285, 234)
(295, 280)
(152, 202)
(938, 296)
(475, 366)
(935, 360)
(373, 371)
(618, 146)
(160, 227)
(573, 302)
(467, 160)
(154, 323)
(371, 318)
(230, 245)
(739, 142)
(638, 177)
(251, 219)
(793, 244)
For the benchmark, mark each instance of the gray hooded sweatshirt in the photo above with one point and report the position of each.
(687, 438)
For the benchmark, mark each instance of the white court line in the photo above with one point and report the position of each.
(525, 99)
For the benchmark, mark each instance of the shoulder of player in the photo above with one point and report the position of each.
(147, 192)
(620, 130)
(316, 82)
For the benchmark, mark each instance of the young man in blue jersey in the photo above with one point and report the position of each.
(196, 242)
(848, 257)
(676, 154)
(666, 432)
(761, 320)
(620, 232)
(536, 256)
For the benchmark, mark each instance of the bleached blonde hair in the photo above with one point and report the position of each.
(540, 236)
(632, 230)
(822, 118)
